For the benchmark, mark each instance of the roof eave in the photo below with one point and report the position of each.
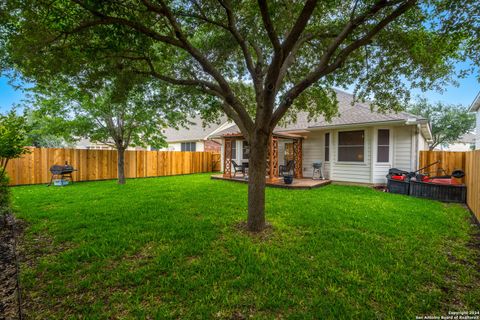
(346, 125)
(475, 104)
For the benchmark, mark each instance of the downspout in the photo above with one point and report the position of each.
(417, 151)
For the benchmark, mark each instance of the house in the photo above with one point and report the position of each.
(464, 143)
(358, 146)
(197, 137)
(475, 107)
(85, 143)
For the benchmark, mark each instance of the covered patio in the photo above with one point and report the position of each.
(272, 161)
(272, 173)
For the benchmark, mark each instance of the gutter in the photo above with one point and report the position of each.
(349, 125)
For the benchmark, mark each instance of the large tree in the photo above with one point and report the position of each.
(256, 61)
(120, 113)
(449, 122)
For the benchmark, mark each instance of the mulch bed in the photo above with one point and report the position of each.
(9, 308)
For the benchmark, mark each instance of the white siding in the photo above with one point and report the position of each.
(351, 171)
(403, 151)
(314, 150)
(477, 139)
(402, 155)
(380, 169)
(200, 146)
(174, 147)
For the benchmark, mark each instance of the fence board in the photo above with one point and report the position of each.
(449, 161)
(467, 161)
(33, 168)
(472, 180)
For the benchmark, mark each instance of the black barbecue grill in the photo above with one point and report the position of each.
(61, 172)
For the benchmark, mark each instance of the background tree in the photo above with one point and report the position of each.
(448, 122)
(119, 113)
(287, 54)
(46, 131)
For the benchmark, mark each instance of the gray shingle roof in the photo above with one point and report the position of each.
(467, 138)
(194, 132)
(358, 113)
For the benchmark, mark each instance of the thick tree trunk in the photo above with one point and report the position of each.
(121, 165)
(256, 183)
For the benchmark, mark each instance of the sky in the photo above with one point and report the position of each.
(463, 94)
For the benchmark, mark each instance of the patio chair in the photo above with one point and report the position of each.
(238, 168)
(286, 169)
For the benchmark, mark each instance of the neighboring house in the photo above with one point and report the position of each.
(196, 137)
(475, 107)
(357, 146)
(464, 143)
(87, 144)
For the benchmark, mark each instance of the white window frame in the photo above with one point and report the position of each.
(390, 146)
(329, 146)
(365, 151)
(190, 146)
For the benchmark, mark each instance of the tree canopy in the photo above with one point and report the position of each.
(448, 122)
(13, 138)
(258, 62)
(122, 112)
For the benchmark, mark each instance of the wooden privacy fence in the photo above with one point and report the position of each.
(34, 167)
(467, 161)
(449, 161)
(472, 180)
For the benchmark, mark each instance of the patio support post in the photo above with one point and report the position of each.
(297, 157)
(272, 158)
(227, 158)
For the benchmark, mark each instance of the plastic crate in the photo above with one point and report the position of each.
(441, 192)
(60, 182)
(396, 186)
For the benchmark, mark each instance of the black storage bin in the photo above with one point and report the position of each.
(441, 192)
(396, 186)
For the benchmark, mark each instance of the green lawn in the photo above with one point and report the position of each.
(170, 248)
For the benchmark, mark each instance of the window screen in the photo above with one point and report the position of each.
(351, 146)
(188, 146)
(245, 150)
(383, 148)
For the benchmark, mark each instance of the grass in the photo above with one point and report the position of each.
(170, 248)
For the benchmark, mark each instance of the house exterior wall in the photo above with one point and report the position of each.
(404, 144)
(403, 148)
(477, 130)
(177, 146)
(211, 146)
(403, 155)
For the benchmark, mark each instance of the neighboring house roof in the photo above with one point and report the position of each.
(475, 104)
(195, 131)
(359, 113)
(467, 138)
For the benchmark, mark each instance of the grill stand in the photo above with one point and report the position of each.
(62, 176)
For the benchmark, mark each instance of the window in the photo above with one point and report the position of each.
(189, 146)
(383, 148)
(234, 149)
(351, 146)
(327, 146)
(245, 150)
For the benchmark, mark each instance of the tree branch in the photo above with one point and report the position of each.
(104, 19)
(324, 68)
(227, 92)
(267, 23)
